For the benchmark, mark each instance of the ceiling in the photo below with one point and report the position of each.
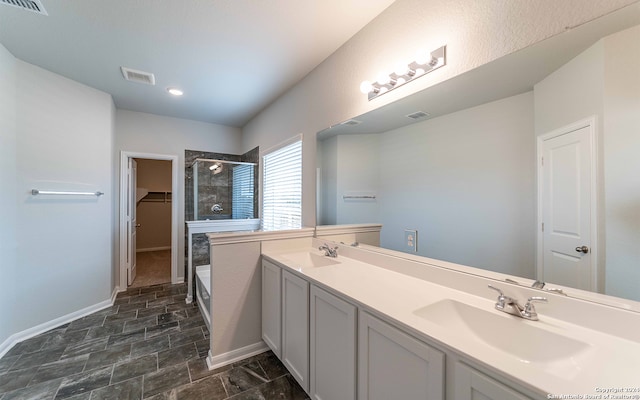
(230, 57)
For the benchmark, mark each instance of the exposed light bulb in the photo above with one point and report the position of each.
(402, 69)
(383, 78)
(366, 87)
(175, 92)
(423, 57)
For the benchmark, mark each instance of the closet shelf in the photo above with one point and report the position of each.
(157, 197)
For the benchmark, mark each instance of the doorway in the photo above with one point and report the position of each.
(567, 206)
(148, 219)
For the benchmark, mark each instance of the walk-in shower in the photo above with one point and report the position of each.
(224, 190)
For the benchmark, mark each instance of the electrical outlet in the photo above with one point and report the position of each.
(411, 240)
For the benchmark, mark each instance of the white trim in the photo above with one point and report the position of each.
(324, 230)
(46, 326)
(591, 123)
(124, 159)
(216, 239)
(148, 249)
(221, 360)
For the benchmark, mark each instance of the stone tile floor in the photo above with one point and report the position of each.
(150, 344)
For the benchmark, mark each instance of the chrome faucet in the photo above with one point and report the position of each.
(328, 251)
(511, 306)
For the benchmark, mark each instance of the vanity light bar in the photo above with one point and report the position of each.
(405, 74)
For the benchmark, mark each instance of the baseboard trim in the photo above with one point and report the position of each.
(221, 360)
(153, 249)
(46, 326)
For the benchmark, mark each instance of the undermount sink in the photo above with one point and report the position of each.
(305, 259)
(512, 335)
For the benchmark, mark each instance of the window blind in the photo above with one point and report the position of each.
(242, 193)
(282, 188)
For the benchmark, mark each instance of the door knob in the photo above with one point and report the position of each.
(582, 249)
(138, 225)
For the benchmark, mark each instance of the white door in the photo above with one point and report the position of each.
(566, 196)
(132, 224)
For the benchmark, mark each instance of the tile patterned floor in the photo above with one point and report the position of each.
(149, 345)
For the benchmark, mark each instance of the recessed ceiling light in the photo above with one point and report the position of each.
(175, 92)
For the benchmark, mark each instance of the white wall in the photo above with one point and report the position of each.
(622, 162)
(474, 32)
(148, 133)
(64, 142)
(8, 206)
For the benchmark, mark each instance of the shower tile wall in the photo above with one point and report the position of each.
(200, 242)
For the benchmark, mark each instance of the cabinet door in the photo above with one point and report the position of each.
(271, 306)
(394, 365)
(333, 347)
(295, 327)
(471, 384)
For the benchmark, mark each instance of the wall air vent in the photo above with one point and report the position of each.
(417, 115)
(351, 122)
(133, 75)
(29, 5)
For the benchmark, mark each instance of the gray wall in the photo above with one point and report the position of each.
(8, 206)
(350, 165)
(622, 163)
(464, 181)
(604, 81)
(56, 253)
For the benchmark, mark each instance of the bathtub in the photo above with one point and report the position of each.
(203, 292)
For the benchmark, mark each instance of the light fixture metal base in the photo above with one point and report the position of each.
(438, 59)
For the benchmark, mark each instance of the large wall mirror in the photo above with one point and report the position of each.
(470, 179)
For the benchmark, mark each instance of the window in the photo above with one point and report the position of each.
(242, 191)
(282, 187)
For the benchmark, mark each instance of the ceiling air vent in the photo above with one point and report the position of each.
(417, 115)
(29, 5)
(138, 76)
(351, 122)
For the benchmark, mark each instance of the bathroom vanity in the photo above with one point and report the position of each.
(368, 325)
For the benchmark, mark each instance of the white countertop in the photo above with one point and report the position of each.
(606, 362)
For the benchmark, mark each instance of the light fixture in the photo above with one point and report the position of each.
(404, 73)
(216, 168)
(175, 91)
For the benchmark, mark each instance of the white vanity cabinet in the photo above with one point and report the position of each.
(394, 365)
(332, 347)
(271, 306)
(339, 351)
(472, 384)
(295, 327)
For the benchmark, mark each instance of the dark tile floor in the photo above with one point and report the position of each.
(149, 345)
